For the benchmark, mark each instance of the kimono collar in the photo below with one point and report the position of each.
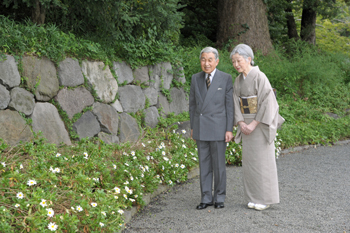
(254, 71)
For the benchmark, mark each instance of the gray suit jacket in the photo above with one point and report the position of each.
(211, 111)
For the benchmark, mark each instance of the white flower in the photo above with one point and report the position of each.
(126, 182)
(114, 166)
(103, 213)
(116, 197)
(58, 155)
(50, 212)
(20, 195)
(129, 191)
(163, 152)
(121, 211)
(65, 158)
(163, 168)
(227, 144)
(131, 178)
(147, 157)
(93, 204)
(3, 164)
(142, 175)
(182, 166)
(194, 158)
(183, 146)
(126, 188)
(160, 182)
(170, 182)
(101, 224)
(146, 167)
(132, 200)
(126, 164)
(79, 208)
(158, 176)
(143, 145)
(177, 165)
(162, 144)
(185, 155)
(165, 158)
(52, 226)
(124, 153)
(96, 179)
(174, 131)
(61, 217)
(134, 157)
(117, 190)
(20, 166)
(43, 203)
(86, 154)
(136, 196)
(17, 205)
(125, 196)
(57, 170)
(183, 131)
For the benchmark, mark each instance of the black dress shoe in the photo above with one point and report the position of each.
(219, 205)
(203, 205)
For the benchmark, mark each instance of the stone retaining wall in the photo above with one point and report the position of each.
(27, 96)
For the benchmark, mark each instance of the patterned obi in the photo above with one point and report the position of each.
(249, 104)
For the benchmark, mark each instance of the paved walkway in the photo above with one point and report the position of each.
(314, 193)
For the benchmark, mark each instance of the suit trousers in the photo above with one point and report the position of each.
(212, 163)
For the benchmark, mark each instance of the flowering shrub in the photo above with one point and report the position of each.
(86, 187)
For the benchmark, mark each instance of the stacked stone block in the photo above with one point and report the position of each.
(29, 95)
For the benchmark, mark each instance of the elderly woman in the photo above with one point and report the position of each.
(257, 117)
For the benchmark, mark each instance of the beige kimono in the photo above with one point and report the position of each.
(260, 180)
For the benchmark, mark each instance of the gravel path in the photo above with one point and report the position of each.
(314, 193)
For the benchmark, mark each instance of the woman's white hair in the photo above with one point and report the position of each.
(245, 51)
(210, 50)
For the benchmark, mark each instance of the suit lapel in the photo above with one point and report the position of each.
(212, 89)
(202, 86)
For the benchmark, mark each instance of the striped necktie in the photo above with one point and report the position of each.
(208, 81)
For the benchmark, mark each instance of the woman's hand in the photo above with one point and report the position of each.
(248, 129)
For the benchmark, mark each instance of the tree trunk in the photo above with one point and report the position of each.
(38, 13)
(243, 21)
(308, 21)
(292, 28)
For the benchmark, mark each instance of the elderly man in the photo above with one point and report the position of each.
(211, 115)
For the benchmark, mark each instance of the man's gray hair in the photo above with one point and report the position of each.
(210, 50)
(245, 51)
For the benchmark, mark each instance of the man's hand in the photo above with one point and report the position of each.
(228, 136)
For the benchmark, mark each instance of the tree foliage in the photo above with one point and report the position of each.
(334, 34)
(108, 20)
